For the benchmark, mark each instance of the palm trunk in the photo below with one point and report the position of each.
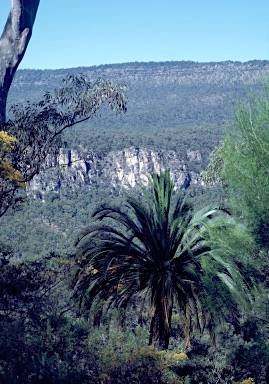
(151, 331)
(161, 328)
(165, 330)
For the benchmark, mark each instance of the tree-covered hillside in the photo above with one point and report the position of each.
(173, 106)
(120, 264)
(161, 95)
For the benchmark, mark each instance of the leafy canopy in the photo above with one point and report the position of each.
(38, 126)
(241, 165)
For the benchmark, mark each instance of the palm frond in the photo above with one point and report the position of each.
(159, 251)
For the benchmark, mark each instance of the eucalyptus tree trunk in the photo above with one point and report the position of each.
(13, 44)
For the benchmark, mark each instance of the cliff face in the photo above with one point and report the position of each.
(117, 169)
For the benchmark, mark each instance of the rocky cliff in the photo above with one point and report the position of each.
(116, 169)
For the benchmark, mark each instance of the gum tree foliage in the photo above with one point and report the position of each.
(13, 44)
(38, 127)
(159, 253)
(7, 172)
(241, 165)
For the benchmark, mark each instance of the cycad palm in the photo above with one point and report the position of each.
(155, 250)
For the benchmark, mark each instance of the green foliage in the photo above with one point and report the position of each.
(161, 254)
(241, 164)
(43, 340)
(35, 336)
(52, 347)
(38, 126)
(10, 178)
(144, 366)
(53, 221)
(162, 95)
(7, 172)
(122, 357)
(42, 337)
(247, 381)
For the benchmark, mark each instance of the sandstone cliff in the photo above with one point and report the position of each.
(74, 168)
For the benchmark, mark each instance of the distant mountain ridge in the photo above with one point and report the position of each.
(161, 94)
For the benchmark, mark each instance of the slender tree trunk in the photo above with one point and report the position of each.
(160, 328)
(13, 44)
(151, 330)
(164, 330)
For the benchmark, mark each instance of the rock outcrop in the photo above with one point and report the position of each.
(73, 168)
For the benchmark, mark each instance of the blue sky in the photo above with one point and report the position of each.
(69, 33)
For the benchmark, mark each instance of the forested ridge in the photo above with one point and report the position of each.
(109, 281)
(162, 95)
(178, 106)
